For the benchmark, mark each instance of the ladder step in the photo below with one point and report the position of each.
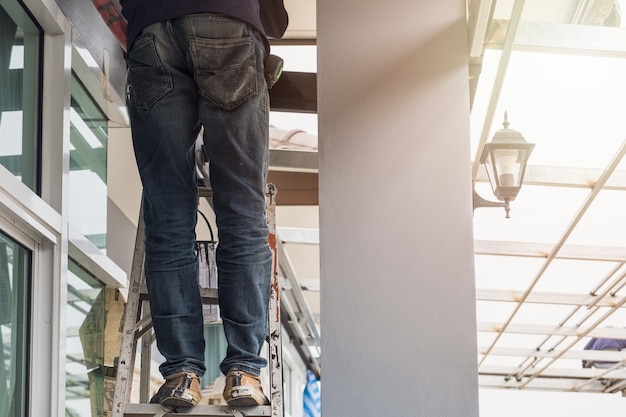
(150, 410)
(209, 295)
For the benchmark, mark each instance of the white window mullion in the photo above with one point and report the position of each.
(49, 353)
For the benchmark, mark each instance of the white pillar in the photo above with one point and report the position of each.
(398, 296)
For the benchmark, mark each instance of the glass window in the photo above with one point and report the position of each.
(85, 368)
(15, 275)
(88, 166)
(20, 82)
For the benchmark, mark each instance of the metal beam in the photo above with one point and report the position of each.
(541, 250)
(554, 383)
(551, 176)
(544, 298)
(478, 19)
(580, 373)
(293, 161)
(538, 329)
(592, 355)
(562, 38)
(491, 247)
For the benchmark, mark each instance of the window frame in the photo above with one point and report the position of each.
(26, 19)
(41, 217)
(22, 239)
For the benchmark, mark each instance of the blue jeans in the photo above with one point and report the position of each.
(203, 70)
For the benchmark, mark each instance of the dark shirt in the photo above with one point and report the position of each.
(141, 13)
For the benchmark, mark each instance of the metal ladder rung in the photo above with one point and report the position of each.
(209, 295)
(142, 327)
(145, 410)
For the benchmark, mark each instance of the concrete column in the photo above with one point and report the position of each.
(398, 296)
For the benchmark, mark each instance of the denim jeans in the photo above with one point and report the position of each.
(203, 70)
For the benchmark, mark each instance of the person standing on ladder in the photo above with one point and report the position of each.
(194, 64)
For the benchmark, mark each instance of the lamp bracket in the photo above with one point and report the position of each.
(480, 202)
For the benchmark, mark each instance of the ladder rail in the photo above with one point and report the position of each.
(146, 360)
(126, 361)
(275, 331)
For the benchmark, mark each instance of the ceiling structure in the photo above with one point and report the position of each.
(554, 274)
(551, 277)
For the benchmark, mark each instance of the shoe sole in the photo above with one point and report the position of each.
(177, 402)
(243, 402)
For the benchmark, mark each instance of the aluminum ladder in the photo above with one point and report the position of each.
(138, 327)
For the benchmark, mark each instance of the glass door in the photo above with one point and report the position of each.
(15, 278)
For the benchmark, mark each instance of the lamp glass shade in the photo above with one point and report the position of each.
(506, 164)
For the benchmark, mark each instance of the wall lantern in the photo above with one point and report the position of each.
(505, 159)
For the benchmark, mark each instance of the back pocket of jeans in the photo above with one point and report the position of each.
(148, 80)
(225, 70)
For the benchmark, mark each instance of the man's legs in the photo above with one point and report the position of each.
(227, 57)
(164, 121)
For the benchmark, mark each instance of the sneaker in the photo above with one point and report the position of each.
(243, 389)
(181, 389)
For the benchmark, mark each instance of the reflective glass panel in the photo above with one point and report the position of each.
(20, 82)
(88, 166)
(85, 370)
(15, 275)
